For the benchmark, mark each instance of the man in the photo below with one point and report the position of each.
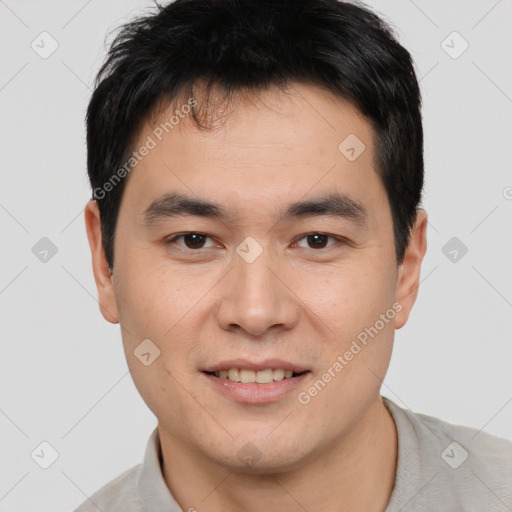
(256, 230)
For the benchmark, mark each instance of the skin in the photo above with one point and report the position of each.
(295, 302)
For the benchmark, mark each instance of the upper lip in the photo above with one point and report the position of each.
(255, 366)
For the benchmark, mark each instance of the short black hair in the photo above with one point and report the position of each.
(242, 46)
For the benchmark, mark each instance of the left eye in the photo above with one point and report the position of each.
(318, 240)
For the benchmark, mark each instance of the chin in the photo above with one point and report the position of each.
(262, 456)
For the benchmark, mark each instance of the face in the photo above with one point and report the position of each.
(260, 250)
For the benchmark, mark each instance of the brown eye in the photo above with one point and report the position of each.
(317, 240)
(194, 240)
(190, 240)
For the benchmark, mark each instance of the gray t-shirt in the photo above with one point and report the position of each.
(441, 467)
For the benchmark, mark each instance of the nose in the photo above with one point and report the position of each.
(256, 298)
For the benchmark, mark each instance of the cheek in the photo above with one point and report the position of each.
(165, 391)
(352, 373)
(155, 318)
(352, 296)
(152, 298)
(356, 303)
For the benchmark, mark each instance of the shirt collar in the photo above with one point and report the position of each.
(152, 491)
(155, 496)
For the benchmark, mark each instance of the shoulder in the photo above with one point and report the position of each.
(441, 464)
(119, 495)
(457, 441)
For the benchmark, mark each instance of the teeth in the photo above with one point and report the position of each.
(233, 374)
(248, 376)
(278, 374)
(264, 376)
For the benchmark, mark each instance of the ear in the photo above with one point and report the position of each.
(102, 276)
(409, 271)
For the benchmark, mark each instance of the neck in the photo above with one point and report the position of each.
(357, 472)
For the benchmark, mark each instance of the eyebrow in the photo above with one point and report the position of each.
(334, 204)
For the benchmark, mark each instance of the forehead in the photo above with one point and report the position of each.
(259, 150)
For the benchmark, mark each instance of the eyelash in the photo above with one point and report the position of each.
(339, 240)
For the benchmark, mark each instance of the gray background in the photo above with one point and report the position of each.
(64, 378)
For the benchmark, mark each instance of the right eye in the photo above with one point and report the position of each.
(192, 240)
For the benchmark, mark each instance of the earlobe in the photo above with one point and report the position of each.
(410, 268)
(102, 275)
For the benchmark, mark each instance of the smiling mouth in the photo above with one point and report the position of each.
(246, 376)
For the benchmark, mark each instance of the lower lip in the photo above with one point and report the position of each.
(254, 393)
